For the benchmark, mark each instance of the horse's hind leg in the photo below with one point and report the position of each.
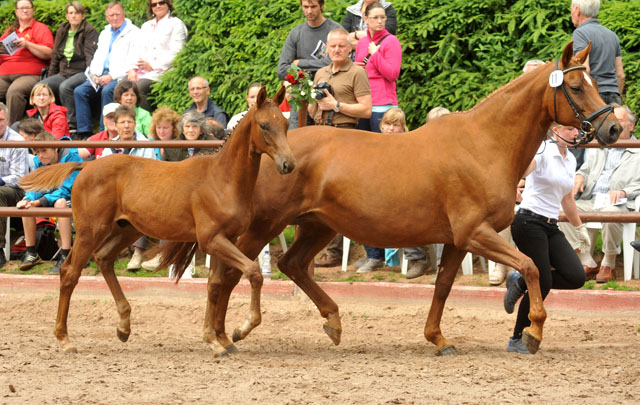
(69, 275)
(312, 237)
(451, 259)
(105, 256)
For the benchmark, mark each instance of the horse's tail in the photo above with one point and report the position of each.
(49, 177)
(178, 254)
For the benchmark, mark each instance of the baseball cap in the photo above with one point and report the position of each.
(109, 109)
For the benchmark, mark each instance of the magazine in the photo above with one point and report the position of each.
(95, 85)
(7, 46)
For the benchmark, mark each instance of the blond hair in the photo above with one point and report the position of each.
(394, 115)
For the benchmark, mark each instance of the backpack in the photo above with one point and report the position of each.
(46, 243)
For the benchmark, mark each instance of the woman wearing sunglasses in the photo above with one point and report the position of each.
(161, 38)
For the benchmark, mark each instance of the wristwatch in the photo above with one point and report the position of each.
(337, 107)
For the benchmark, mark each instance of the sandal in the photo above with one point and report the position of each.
(498, 275)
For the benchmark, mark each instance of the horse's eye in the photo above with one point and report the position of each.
(576, 89)
(264, 127)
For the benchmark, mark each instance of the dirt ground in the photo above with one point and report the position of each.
(587, 358)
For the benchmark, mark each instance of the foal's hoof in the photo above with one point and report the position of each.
(446, 351)
(333, 333)
(533, 344)
(69, 348)
(232, 349)
(237, 335)
(123, 336)
(220, 354)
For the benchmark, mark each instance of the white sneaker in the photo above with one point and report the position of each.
(135, 262)
(152, 264)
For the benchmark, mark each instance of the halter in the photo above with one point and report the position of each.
(587, 130)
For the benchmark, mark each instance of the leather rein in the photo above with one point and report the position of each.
(587, 130)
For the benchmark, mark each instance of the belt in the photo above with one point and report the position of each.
(530, 213)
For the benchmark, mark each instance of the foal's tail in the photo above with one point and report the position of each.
(49, 177)
(178, 254)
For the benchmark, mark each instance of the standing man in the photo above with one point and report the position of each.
(111, 62)
(199, 92)
(608, 181)
(351, 100)
(14, 164)
(605, 59)
(305, 46)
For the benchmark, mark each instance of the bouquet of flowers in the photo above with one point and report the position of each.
(301, 88)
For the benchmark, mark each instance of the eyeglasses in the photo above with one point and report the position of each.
(160, 3)
(197, 88)
(24, 8)
(379, 18)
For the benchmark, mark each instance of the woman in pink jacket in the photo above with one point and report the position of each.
(52, 116)
(380, 53)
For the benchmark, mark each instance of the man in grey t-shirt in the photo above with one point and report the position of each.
(306, 44)
(605, 59)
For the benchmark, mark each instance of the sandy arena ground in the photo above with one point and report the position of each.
(586, 357)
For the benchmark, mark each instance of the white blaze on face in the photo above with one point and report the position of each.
(587, 78)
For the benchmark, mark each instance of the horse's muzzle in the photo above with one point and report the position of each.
(285, 165)
(609, 133)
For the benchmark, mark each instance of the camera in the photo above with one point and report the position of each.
(320, 87)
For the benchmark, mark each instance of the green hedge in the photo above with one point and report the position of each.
(456, 52)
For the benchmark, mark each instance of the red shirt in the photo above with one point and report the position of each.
(24, 62)
(56, 121)
(100, 136)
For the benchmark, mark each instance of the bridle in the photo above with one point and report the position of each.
(587, 130)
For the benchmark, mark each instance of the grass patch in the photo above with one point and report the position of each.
(589, 285)
(609, 285)
(353, 278)
(278, 275)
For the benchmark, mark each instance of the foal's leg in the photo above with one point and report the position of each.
(486, 242)
(105, 256)
(69, 275)
(451, 259)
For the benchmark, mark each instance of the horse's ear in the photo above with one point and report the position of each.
(580, 57)
(262, 96)
(279, 97)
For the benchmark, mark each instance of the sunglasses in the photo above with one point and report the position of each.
(160, 3)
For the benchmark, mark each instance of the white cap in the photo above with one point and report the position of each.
(109, 109)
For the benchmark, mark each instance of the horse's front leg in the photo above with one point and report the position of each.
(451, 259)
(214, 334)
(220, 247)
(487, 243)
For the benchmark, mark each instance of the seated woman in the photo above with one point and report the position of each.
(75, 43)
(20, 71)
(58, 198)
(164, 127)
(193, 126)
(127, 93)
(52, 116)
(161, 38)
(252, 95)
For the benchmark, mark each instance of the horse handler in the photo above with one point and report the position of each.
(549, 185)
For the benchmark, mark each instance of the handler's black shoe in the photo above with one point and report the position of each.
(29, 260)
(514, 292)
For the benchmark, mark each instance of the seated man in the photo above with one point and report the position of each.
(109, 133)
(58, 198)
(15, 164)
(609, 180)
(199, 93)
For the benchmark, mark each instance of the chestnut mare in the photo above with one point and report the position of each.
(451, 181)
(207, 199)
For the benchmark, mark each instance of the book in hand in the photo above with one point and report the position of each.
(95, 85)
(7, 46)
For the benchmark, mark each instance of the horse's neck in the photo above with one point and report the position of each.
(238, 160)
(514, 121)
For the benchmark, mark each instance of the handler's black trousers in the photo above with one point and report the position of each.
(547, 246)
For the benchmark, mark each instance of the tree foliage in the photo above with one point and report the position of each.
(455, 52)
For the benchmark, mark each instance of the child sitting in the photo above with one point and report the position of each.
(58, 198)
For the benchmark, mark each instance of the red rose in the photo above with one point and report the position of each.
(300, 75)
(291, 79)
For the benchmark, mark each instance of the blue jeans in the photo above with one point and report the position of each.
(374, 253)
(85, 96)
(372, 123)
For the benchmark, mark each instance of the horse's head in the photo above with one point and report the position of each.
(269, 130)
(576, 101)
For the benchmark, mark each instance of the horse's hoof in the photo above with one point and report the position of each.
(533, 344)
(446, 351)
(232, 349)
(237, 335)
(334, 334)
(221, 354)
(123, 336)
(69, 348)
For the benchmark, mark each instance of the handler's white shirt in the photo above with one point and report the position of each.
(549, 182)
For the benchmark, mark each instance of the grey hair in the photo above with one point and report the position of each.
(436, 112)
(532, 62)
(339, 31)
(206, 82)
(630, 114)
(197, 118)
(589, 8)
(3, 107)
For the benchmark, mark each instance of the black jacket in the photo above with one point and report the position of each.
(85, 43)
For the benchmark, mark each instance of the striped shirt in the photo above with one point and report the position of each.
(604, 181)
(14, 162)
